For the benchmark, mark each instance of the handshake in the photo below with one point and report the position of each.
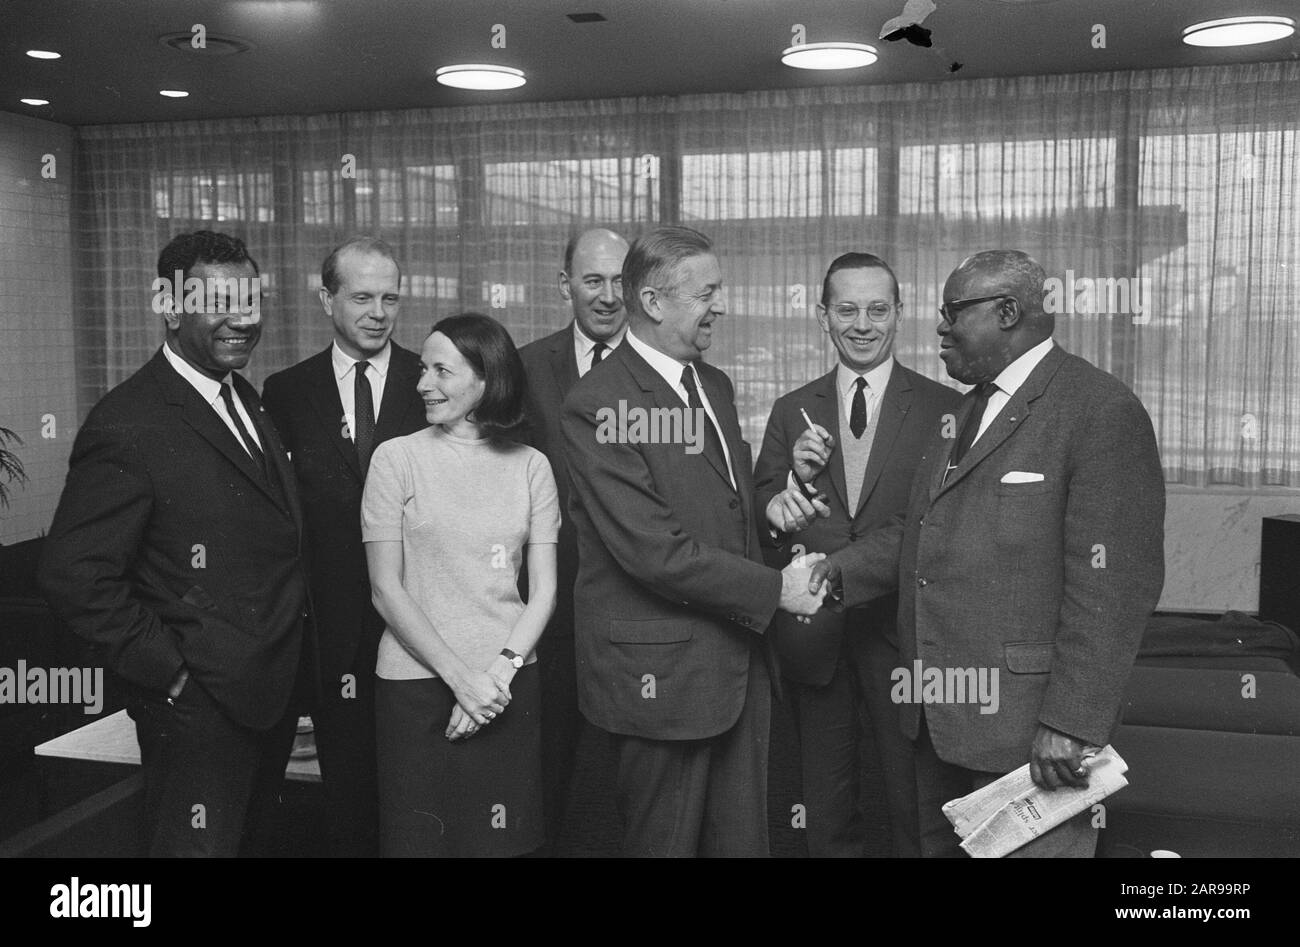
(805, 583)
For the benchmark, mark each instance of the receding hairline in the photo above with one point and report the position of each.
(576, 241)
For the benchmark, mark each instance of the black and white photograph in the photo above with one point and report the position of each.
(763, 429)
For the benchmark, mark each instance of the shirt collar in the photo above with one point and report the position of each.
(1013, 376)
(343, 362)
(877, 378)
(585, 343)
(208, 388)
(667, 366)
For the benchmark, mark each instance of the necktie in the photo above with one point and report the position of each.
(712, 441)
(250, 445)
(858, 413)
(363, 408)
(598, 352)
(972, 425)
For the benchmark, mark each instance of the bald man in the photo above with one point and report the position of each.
(591, 284)
(1031, 554)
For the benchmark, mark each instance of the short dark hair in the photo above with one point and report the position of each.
(491, 352)
(188, 250)
(855, 261)
(653, 259)
(329, 270)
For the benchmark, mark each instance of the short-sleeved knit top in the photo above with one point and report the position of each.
(463, 510)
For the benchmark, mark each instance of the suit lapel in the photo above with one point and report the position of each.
(727, 420)
(402, 378)
(323, 396)
(825, 410)
(1012, 415)
(564, 364)
(894, 405)
(664, 396)
(272, 448)
(204, 420)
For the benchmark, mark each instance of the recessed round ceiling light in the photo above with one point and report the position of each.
(173, 93)
(35, 101)
(480, 76)
(1239, 31)
(829, 56)
(43, 54)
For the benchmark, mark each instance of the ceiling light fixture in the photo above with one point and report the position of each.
(1239, 31)
(173, 93)
(35, 101)
(829, 56)
(480, 76)
(43, 54)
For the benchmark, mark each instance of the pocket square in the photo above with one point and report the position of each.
(1021, 476)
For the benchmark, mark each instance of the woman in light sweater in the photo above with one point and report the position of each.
(446, 517)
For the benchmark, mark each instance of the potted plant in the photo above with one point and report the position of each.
(11, 468)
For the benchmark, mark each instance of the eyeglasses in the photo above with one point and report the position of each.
(950, 311)
(847, 313)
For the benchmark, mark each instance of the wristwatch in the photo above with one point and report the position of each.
(516, 660)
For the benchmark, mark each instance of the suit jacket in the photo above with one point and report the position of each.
(304, 402)
(171, 546)
(552, 372)
(1046, 582)
(671, 593)
(911, 412)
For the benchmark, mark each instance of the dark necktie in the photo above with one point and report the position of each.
(712, 441)
(597, 353)
(858, 413)
(250, 445)
(363, 410)
(972, 425)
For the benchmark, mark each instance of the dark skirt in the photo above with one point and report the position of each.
(480, 796)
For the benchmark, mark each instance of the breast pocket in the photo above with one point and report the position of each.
(1024, 510)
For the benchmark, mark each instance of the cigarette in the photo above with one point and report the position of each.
(807, 420)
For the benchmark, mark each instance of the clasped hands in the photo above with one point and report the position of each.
(481, 696)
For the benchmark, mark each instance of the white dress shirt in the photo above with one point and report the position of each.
(671, 371)
(209, 390)
(874, 392)
(583, 346)
(345, 367)
(1009, 381)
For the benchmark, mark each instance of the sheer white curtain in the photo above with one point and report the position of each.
(1166, 199)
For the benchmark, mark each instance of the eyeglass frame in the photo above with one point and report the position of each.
(960, 304)
(830, 311)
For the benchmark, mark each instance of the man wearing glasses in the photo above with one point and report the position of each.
(871, 421)
(1031, 551)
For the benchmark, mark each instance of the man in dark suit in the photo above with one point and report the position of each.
(591, 282)
(175, 550)
(672, 597)
(333, 410)
(1029, 558)
(872, 418)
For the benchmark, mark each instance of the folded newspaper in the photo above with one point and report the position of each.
(1010, 812)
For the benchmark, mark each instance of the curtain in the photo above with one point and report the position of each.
(1163, 204)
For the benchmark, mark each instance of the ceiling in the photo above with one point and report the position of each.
(311, 56)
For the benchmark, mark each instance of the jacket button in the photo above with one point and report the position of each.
(853, 536)
(731, 617)
(921, 521)
(734, 503)
(921, 581)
